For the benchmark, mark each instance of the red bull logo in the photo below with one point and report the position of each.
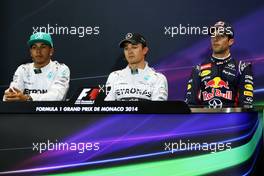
(217, 82)
(216, 93)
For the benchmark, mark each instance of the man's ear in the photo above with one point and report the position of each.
(145, 50)
(30, 52)
(51, 51)
(231, 42)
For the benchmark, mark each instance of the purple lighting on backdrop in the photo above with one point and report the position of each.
(129, 130)
(248, 46)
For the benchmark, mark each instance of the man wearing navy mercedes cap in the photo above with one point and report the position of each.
(41, 80)
(220, 80)
(136, 82)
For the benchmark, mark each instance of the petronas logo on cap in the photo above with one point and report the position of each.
(39, 36)
(129, 35)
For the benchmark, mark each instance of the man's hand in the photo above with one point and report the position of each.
(14, 94)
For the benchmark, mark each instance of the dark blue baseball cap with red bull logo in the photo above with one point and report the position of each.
(221, 28)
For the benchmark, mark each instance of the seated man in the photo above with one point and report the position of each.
(137, 81)
(220, 80)
(41, 80)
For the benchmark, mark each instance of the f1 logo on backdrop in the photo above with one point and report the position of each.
(88, 96)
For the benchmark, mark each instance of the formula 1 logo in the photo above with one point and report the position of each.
(88, 96)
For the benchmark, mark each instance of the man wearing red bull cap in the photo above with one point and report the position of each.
(220, 80)
(41, 80)
(136, 82)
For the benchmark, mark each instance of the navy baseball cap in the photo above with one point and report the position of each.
(222, 27)
(133, 38)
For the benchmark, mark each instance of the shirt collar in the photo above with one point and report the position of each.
(45, 68)
(138, 70)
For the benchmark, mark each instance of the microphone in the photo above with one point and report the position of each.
(37, 71)
(134, 71)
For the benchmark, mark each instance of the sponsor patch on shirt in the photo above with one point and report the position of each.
(249, 87)
(206, 66)
(205, 73)
(248, 93)
(189, 86)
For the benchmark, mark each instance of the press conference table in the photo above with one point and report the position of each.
(132, 138)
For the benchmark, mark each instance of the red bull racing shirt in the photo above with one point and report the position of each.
(221, 82)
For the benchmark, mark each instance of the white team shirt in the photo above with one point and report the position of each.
(146, 84)
(51, 84)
